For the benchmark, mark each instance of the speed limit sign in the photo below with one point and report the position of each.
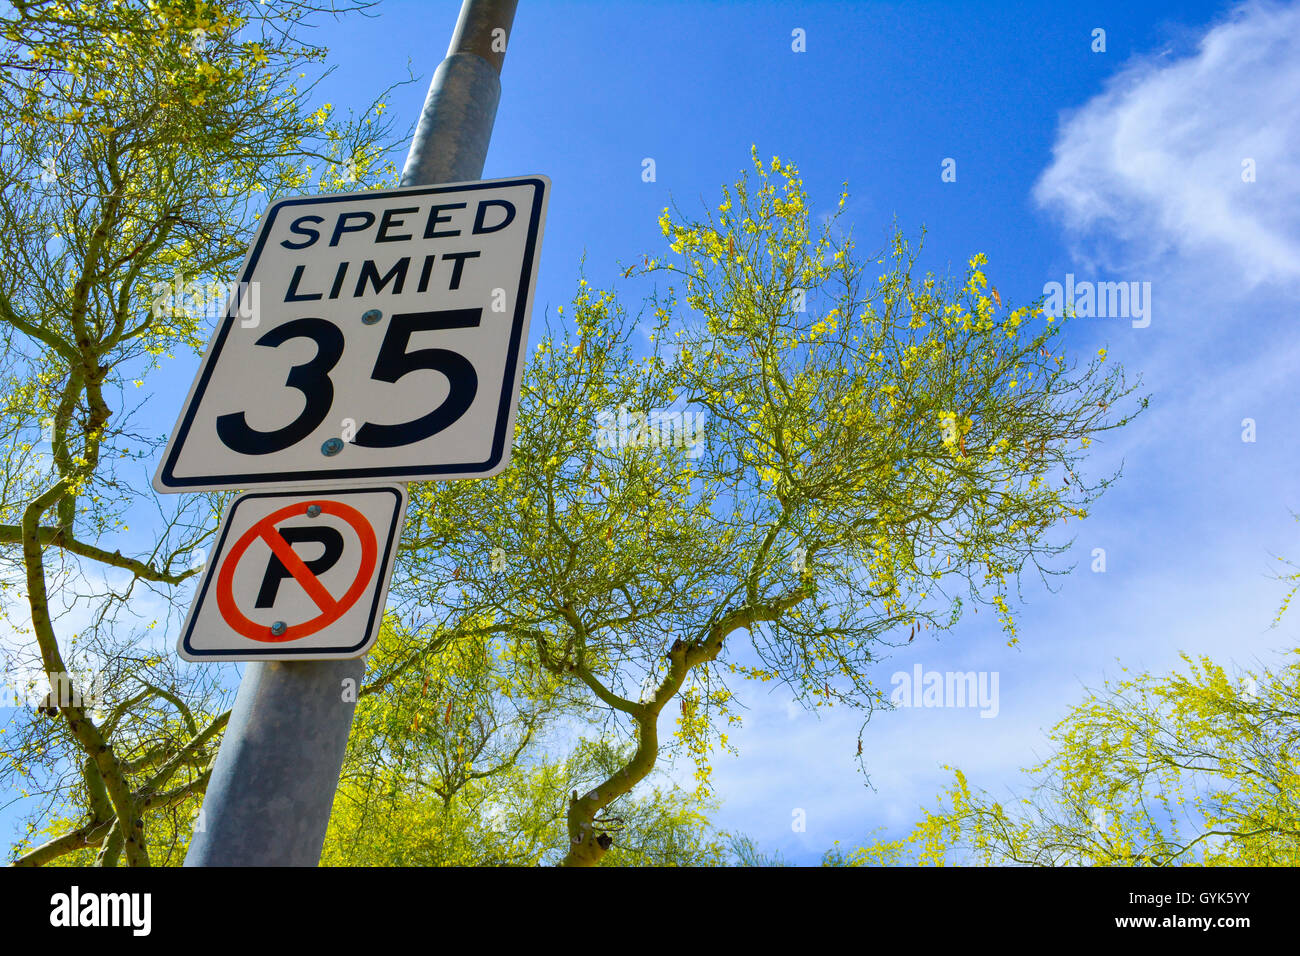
(375, 335)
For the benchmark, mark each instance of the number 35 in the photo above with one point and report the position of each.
(394, 361)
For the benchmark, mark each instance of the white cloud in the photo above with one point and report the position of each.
(1156, 160)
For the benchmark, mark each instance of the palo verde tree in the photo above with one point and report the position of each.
(464, 757)
(138, 142)
(1184, 769)
(809, 456)
(442, 720)
(462, 750)
(516, 817)
(1180, 769)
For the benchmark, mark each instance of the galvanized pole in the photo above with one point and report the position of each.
(273, 782)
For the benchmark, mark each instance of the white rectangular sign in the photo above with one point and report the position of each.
(374, 336)
(296, 576)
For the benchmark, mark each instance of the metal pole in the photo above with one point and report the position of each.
(273, 782)
(451, 141)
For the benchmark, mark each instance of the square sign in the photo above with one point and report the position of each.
(373, 336)
(296, 576)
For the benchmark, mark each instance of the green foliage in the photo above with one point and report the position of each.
(515, 818)
(875, 457)
(451, 763)
(138, 143)
(1194, 769)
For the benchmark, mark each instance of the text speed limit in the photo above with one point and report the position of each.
(387, 342)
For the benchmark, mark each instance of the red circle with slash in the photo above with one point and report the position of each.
(331, 609)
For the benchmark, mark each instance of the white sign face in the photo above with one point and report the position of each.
(296, 576)
(374, 336)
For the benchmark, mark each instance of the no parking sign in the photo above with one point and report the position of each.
(296, 576)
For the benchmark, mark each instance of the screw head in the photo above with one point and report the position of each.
(331, 446)
(371, 316)
(313, 511)
(278, 628)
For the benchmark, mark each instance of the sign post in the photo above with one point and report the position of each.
(273, 782)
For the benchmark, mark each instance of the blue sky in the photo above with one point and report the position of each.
(1120, 165)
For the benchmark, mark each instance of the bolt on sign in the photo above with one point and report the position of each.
(296, 576)
(387, 343)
